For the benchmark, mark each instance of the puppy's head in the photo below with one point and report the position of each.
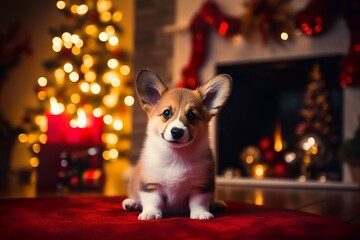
(179, 116)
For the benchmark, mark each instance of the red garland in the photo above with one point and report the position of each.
(209, 16)
(314, 20)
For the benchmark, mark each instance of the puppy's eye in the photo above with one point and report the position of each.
(167, 114)
(191, 116)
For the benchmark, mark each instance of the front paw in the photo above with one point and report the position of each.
(131, 205)
(202, 215)
(150, 215)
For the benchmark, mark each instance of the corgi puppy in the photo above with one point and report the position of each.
(175, 173)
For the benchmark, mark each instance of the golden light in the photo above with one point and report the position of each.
(41, 121)
(42, 81)
(82, 9)
(60, 4)
(117, 16)
(115, 82)
(75, 50)
(249, 159)
(110, 100)
(129, 100)
(74, 38)
(68, 44)
(259, 171)
(81, 121)
(85, 87)
(74, 8)
(68, 67)
(66, 36)
(42, 95)
(71, 108)
(278, 145)
(124, 70)
(79, 44)
(113, 63)
(73, 123)
(110, 30)
(75, 98)
(284, 36)
(118, 124)
(106, 155)
(43, 138)
(57, 41)
(56, 48)
(95, 88)
(113, 40)
(97, 112)
(103, 36)
(55, 107)
(105, 17)
(113, 153)
(59, 73)
(74, 76)
(103, 5)
(34, 162)
(91, 29)
(23, 137)
(108, 119)
(90, 76)
(109, 75)
(110, 138)
(88, 61)
(36, 148)
(290, 157)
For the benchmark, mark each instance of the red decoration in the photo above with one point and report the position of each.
(209, 16)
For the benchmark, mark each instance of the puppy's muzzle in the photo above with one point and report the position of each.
(177, 133)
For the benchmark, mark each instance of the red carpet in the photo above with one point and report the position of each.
(102, 218)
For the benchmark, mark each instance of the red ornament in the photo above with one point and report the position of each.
(280, 170)
(265, 143)
(209, 16)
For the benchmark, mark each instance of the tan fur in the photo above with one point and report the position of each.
(175, 171)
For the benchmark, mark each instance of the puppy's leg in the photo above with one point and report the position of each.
(130, 204)
(199, 204)
(152, 204)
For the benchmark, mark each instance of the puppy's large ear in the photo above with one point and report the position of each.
(215, 92)
(149, 88)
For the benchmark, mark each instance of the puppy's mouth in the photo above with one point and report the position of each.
(177, 142)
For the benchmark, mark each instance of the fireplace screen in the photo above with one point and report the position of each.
(283, 120)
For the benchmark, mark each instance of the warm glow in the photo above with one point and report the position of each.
(108, 76)
(36, 148)
(284, 36)
(103, 36)
(59, 73)
(129, 100)
(43, 138)
(60, 4)
(110, 30)
(23, 137)
(278, 145)
(82, 9)
(110, 100)
(105, 16)
(74, 76)
(113, 153)
(75, 98)
(117, 16)
(55, 107)
(66, 36)
(113, 63)
(88, 61)
(74, 38)
(91, 29)
(41, 121)
(42, 81)
(68, 67)
(57, 41)
(34, 162)
(90, 76)
(259, 171)
(108, 119)
(71, 108)
(105, 155)
(103, 5)
(42, 95)
(124, 70)
(110, 138)
(85, 87)
(113, 40)
(118, 124)
(115, 82)
(97, 112)
(95, 88)
(56, 48)
(249, 159)
(74, 8)
(81, 121)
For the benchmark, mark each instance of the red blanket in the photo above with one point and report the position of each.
(103, 218)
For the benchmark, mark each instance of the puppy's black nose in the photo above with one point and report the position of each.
(177, 133)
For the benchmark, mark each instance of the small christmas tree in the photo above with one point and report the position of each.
(89, 76)
(316, 133)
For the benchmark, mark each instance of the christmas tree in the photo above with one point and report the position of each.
(316, 132)
(87, 85)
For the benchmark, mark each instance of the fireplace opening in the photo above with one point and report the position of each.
(268, 126)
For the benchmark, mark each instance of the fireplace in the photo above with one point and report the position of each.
(264, 111)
